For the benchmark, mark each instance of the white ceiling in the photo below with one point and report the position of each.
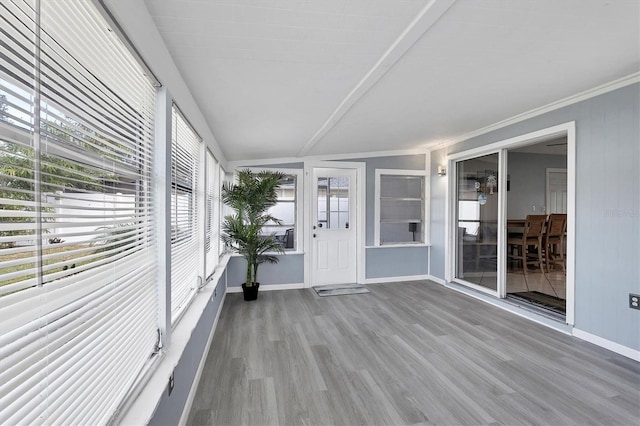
(288, 78)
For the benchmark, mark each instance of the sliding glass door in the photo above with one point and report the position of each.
(476, 222)
(510, 220)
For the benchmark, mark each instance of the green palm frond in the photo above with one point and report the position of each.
(250, 197)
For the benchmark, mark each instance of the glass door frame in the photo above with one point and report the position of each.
(501, 147)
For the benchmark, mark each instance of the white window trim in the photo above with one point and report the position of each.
(400, 172)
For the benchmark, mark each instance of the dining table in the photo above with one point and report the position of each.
(515, 228)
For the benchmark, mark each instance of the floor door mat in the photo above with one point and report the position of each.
(340, 289)
(542, 300)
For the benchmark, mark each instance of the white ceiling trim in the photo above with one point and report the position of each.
(416, 29)
(591, 93)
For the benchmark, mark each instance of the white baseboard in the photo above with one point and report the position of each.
(196, 380)
(607, 344)
(436, 280)
(396, 279)
(269, 287)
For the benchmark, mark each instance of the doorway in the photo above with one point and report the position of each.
(335, 224)
(487, 193)
(537, 176)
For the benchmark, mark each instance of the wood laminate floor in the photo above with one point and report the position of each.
(404, 354)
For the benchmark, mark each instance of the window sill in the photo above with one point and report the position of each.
(286, 253)
(398, 245)
(143, 404)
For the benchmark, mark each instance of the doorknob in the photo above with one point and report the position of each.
(314, 235)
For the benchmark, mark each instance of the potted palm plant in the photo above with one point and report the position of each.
(250, 197)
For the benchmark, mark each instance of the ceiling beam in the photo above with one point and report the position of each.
(414, 31)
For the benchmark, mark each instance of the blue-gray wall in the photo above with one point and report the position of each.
(528, 173)
(384, 262)
(171, 406)
(279, 166)
(288, 270)
(607, 208)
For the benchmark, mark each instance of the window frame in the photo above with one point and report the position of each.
(377, 204)
(298, 206)
(192, 148)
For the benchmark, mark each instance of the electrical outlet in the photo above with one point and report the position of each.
(634, 301)
(171, 383)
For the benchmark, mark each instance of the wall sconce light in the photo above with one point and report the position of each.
(442, 171)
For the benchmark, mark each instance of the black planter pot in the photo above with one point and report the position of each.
(250, 293)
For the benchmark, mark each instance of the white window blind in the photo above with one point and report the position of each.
(78, 302)
(185, 154)
(212, 229)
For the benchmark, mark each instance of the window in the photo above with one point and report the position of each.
(400, 207)
(185, 196)
(287, 211)
(78, 296)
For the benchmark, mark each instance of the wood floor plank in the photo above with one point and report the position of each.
(406, 353)
(345, 411)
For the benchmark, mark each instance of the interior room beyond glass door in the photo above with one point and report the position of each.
(476, 230)
(536, 274)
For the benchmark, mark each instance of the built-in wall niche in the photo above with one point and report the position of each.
(400, 207)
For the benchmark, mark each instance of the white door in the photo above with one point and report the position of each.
(556, 191)
(333, 242)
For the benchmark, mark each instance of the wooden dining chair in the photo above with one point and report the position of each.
(554, 236)
(528, 248)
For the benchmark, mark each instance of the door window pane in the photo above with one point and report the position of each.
(333, 202)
